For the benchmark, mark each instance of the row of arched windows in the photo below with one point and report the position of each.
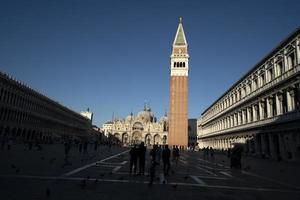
(179, 64)
(14, 97)
(21, 106)
(266, 76)
(29, 134)
(289, 102)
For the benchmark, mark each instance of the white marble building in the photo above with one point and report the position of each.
(142, 127)
(262, 109)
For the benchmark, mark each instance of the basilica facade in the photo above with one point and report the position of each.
(142, 127)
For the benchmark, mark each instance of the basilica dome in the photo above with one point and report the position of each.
(163, 119)
(146, 115)
(129, 118)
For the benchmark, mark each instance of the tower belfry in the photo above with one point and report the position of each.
(178, 112)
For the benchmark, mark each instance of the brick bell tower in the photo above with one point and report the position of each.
(178, 112)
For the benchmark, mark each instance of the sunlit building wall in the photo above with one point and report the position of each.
(262, 109)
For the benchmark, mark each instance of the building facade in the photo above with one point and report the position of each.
(262, 109)
(28, 115)
(192, 132)
(135, 129)
(178, 112)
(88, 114)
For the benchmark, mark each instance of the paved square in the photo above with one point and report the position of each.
(104, 175)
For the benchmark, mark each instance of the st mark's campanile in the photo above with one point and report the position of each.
(178, 111)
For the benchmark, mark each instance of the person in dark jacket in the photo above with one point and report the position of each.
(153, 163)
(133, 159)
(141, 156)
(166, 153)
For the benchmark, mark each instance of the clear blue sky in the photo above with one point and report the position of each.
(113, 55)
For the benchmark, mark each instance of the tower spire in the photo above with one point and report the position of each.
(180, 39)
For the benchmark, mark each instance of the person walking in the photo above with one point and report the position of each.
(67, 146)
(211, 154)
(9, 144)
(166, 153)
(95, 145)
(141, 156)
(158, 154)
(133, 160)
(85, 147)
(176, 154)
(153, 163)
(236, 157)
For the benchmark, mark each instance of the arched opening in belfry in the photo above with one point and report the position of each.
(180, 64)
(183, 64)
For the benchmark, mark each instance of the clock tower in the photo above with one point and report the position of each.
(178, 112)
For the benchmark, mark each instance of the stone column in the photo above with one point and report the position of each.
(260, 83)
(254, 110)
(261, 110)
(275, 67)
(298, 51)
(285, 62)
(290, 99)
(249, 113)
(243, 117)
(221, 124)
(228, 143)
(234, 119)
(228, 121)
(279, 106)
(269, 107)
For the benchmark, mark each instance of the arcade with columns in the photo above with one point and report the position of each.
(261, 110)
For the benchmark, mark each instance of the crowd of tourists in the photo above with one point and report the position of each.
(157, 155)
(234, 154)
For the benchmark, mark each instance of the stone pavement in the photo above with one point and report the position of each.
(105, 176)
